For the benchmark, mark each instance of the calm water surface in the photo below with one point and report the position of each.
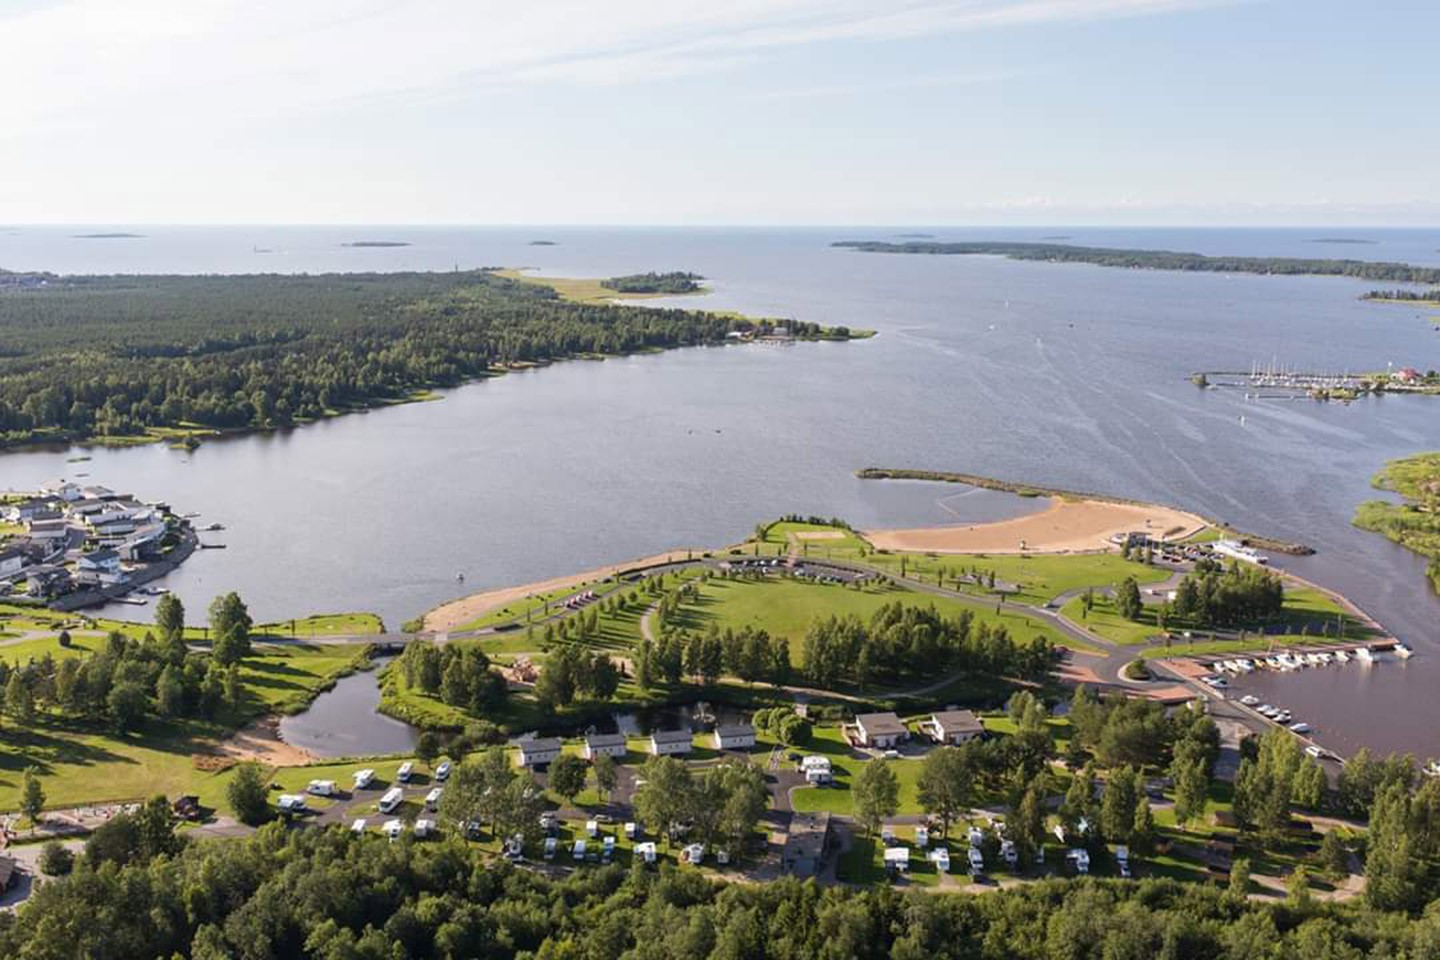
(1065, 375)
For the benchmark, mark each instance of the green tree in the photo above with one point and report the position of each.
(1192, 788)
(1334, 858)
(56, 860)
(667, 795)
(607, 775)
(427, 748)
(944, 787)
(19, 698)
(170, 692)
(1127, 599)
(32, 796)
(230, 625)
(248, 794)
(568, 775)
(1118, 804)
(736, 788)
(875, 794)
(127, 704)
(1393, 874)
(1142, 832)
(1239, 878)
(170, 616)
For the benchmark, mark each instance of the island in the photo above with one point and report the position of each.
(109, 236)
(1423, 298)
(1158, 259)
(377, 243)
(661, 283)
(1413, 521)
(1344, 240)
(543, 243)
(218, 354)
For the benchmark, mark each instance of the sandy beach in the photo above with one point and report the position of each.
(457, 612)
(1066, 526)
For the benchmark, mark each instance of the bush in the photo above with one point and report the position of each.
(55, 859)
(64, 638)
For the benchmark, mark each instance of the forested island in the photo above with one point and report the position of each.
(109, 236)
(376, 243)
(1431, 296)
(673, 282)
(1413, 523)
(1159, 259)
(132, 356)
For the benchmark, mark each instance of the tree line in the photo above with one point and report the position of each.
(672, 282)
(140, 891)
(104, 356)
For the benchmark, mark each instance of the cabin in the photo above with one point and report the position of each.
(880, 730)
(738, 736)
(953, 727)
(604, 745)
(538, 751)
(667, 742)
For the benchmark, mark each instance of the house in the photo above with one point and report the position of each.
(26, 511)
(98, 492)
(12, 560)
(100, 561)
(880, 730)
(604, 745)
(48, 531)
(46, 581)
(665, 742)
(737, 736)
(953, 726)
(538, 751)
(61, 489)
(1409, 375)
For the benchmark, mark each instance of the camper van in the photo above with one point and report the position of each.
(363, 778)
(392, 799)
(432, 799)
(406, 770)
(321, 788)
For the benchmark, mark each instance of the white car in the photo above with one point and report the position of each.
(1249, 700)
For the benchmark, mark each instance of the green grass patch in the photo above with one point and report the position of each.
(325, 625)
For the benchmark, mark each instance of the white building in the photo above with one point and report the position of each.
(737, 736)
(666, 742)
(880, 730)
(12, 561)
(538, 751)
(604, 744)
(953, 726)
(101, 561)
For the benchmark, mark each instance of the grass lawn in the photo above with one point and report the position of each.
(325, 625)
(285, 677)
(1039, 578)
(846, 764)
(787, 607)
(79, 765)
(24, 650)
(1106, 622)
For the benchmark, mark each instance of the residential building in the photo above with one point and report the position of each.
(737, 736)
(538, 751)
(12, 560)
(665, 742)
(953, 726)
(604, 744)
(880, 730)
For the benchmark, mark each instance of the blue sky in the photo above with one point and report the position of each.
(750, 112)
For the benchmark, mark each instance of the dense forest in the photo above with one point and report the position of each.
(675, 282)
(1162, 259)
(141, 892)
(104, 356)
(1408, 296)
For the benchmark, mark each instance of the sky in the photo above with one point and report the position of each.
(620, 112)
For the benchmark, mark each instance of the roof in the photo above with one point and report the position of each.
(540, 745)
(100, 556)
(959, 721)
(605, 739)
(880, 723)
(735, 730)
(672, 736)
(11, 551)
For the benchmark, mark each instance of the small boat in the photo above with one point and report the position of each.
(1341, 656)
(459, 576)
(132, 601)
(1300, 727)
(1403, 652)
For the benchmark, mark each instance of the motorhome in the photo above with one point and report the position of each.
(391, 799)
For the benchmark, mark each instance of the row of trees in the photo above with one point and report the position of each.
(1228, 596)
(718, 805)
(748, 653)
(322, 893)
(902, 640)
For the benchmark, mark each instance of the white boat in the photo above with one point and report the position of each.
(1432, 769)
(1364, 655)
(1403, 652)
(1301, 727)
(1341, 656)
(1249, 700)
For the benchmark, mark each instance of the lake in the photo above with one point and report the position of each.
(1062, 375)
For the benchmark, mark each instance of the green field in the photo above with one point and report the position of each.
(786, 607)
(284, 677)
(325, 625)
(845, 764)
(1106, 623)
(584, 289)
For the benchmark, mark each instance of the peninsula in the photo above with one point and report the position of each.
(1159, 259)
(199, 355)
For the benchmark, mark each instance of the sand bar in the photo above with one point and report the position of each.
(1066, 526)
(458, 612)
